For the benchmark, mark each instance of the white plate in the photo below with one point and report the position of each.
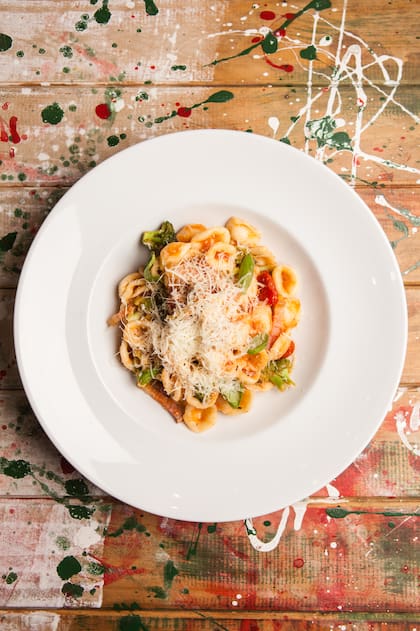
(350, 343)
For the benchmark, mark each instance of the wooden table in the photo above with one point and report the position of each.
(81, 80)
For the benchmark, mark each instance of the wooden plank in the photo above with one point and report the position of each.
(384, 135)
(387, 467)
(325, 560)
(22, 210)
(61, 620)
(177, 44)
(40, 551)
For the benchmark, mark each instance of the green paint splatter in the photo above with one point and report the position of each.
(323, 130)
(20, 53)
(308, 53)
(340, 513)
(130, 523)
(178, 67)
(113, 140)
(72, 590)
(21, 177)
(66, 69)
(5, 42)
(151, 8)
(192, 548)
(76, 488)
(14, 468)
(96, 569)
(211, 528)
(222, 96)
(63, 543)
(124, 606)
(169, 573)
(66, 51)
(68, 567)
(11, 578)
(103, 15)
(159, 592)
(267, 523)
(80, 512)
(52, 114)
(6, 244)
(268, 45)
(81, 25)
(131, 623)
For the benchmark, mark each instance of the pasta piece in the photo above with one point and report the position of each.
(241, 232)
(131, 286)
(187, 232)
(221, 256)
(125, 356)
(250, 367)
(261, 319)
(175, 252)
(279, 347)
(244, 405)
(284, 280)
(206, 402)
(198, 420)
(208, 237)
(263, 257)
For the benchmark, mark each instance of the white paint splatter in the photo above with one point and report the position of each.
(414, 424)
(262, 546)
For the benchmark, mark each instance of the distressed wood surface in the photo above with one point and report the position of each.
(199, 621)
(76, 138)
(79, 83)
(77, 44)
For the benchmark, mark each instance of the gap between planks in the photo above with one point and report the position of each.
(210, 615)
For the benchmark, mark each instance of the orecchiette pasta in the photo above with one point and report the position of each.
(208, 320)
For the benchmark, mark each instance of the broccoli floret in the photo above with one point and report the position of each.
(155, 240)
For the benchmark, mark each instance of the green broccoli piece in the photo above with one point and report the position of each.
(155, 240)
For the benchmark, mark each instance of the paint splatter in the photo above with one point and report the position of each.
(131, 623)
(267, 15)
(169, 573)
(151, 8)
(103, 14)
(68, 567)
(308, 53)
(5, 42)
(6, 244)
(52, 114)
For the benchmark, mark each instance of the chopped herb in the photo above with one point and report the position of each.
(155, 240)
(258, 344)
(246, 271)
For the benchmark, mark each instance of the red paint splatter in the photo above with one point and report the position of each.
(152, 67)
(102, 111)
(177, 104)
(185, 112)
(11, 511)
(405, 569)
(5, 106)
(249, 625)
(66, 467)
(378, 149)
(12, 152)
(267, 15)
(289, 16)
(256, 39)
(4, 136)
(24, 137)
(13, 130)
(280, 32)
(4, 426)
(298, 563)
(284, 67)
(237, 553)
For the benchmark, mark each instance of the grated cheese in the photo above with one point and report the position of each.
(207, 331)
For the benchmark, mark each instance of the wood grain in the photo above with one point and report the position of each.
(60, 153)
(190, 37)
(60, 620)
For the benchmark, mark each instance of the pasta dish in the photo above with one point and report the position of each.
(208, 320)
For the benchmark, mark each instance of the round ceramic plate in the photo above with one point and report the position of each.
(350, 343)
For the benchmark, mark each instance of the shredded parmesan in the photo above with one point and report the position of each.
(206, 331)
